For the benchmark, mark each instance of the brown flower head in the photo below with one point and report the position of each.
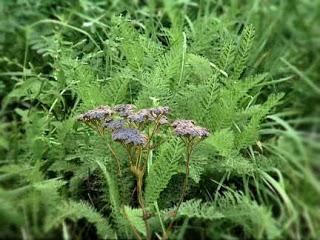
(159, 111)
(150, 114)
(114, 124)
(178, 123)
(129, 136)
(124, 110)
(163, 120)
(187, 128)
(101, 113)
(141, 116)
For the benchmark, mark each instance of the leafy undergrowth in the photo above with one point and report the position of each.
(248, 71)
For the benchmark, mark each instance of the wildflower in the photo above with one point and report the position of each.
(149, 114)
(98, 114)
(114, 124)
(187, 128)
(124, 110)
(129, 136)
(159, 111)
(141, 116)
(178, 123)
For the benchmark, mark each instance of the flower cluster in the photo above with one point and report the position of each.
(140, 116)
(159, 111)
(115, 124)
(124, 110)
(102, 113)
(188, 128)
(122, 119)
(127, 114)
(129, 136)
(150, 115)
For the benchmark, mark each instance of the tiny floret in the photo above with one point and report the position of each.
(129, 136)
(187, 128)
(124, 110)
(98, 114)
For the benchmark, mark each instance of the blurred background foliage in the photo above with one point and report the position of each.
(202, 58)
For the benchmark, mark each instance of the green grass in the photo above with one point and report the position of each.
(246, 70)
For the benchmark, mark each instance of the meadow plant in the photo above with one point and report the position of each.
(131, 167)
(137, 132)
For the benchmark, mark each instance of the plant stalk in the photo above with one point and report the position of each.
(141, 202)
(184, 188)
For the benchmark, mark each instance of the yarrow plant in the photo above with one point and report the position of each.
(136, 130)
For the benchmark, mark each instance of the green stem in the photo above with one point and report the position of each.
(141, 202)
(139, 190)
(184, 187)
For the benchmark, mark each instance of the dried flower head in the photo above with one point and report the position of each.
(187, 128)
(163, 120)
(114, 124)
(150, 114)
(141, 116)
(129, 136)
(159, 111)
(178, 123)
(124, 110)
(98, 114)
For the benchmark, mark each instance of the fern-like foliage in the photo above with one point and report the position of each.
(237, 208)
(115, 201)
(43, 203)
(163, 168)
(245, 45)
(198, 165)
(250, 133)
(78, 210)
(227, 53)
(135, 218)
(197, 209)
(223, 142)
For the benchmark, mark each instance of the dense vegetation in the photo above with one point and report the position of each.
(246, 70)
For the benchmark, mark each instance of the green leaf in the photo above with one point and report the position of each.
(223, 142)
(135, 217)
(77, 210)
(164, 167)
(114, 198)
(245, 46)
(195, 208)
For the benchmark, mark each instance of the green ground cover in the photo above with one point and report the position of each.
(246, 70)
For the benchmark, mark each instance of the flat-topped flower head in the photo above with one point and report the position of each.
(178, 123)
(159, 111)
(97, 114)
(149, 114)
(187, 128)
(141, 116)
(124, 110)
(114, 124)
(129, 136)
